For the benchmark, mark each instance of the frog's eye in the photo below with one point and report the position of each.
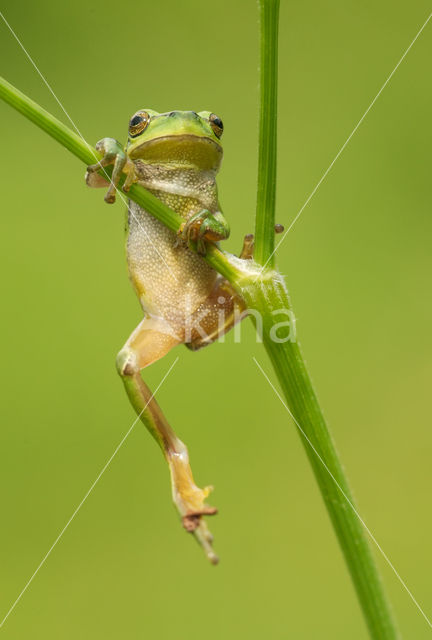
(138, 123)
(216, 124)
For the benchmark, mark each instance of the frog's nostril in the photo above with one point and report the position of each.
(172, 114)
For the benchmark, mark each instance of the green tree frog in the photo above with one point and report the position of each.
(176, 156)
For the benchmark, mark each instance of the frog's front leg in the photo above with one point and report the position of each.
(205, 226)
(113, 154)
(151, 340)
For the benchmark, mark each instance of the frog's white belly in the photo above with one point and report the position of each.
(171, 281)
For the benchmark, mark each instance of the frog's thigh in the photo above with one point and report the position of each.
(215, 316)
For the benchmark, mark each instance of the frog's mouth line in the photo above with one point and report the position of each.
(174, 140)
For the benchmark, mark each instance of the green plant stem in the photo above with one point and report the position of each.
(265, 293)
(267, 148)
(302, 403)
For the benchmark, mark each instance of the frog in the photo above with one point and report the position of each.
(175, 155)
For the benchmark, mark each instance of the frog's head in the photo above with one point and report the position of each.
(184, 138)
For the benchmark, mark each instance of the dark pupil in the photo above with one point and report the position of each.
(136, 120)
(218, 122)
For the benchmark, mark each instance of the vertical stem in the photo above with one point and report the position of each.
(266, 191)
(267, 295)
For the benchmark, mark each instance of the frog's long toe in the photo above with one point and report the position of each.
(205, 539)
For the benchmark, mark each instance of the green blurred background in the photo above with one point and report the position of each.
(358, 268)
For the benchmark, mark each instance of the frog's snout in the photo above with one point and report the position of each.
(190, 115)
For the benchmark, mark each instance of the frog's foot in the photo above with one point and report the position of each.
(248, 243)
(248, 247)
(112, 154)
(190, 502)
(192, 519)
(204, 227)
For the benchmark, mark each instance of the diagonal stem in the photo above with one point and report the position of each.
(303, 406)
(88, 154)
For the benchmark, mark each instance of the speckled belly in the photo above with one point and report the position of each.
(171, 281)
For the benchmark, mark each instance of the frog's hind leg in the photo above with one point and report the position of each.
(221, 310)
(149, 342)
